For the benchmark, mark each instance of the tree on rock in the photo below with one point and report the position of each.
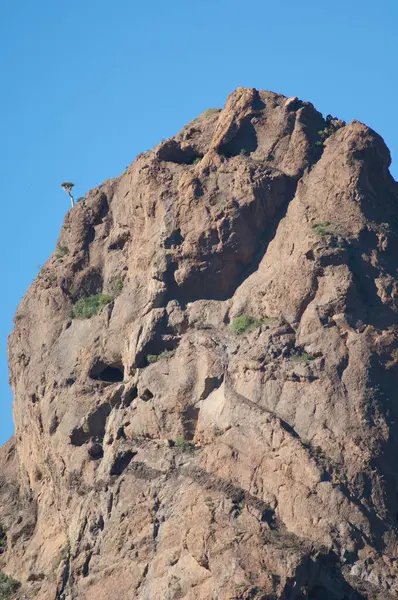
(67, 186)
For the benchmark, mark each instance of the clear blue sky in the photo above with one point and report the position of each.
(88, 84)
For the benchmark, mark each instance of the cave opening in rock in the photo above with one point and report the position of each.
(174, 239)
(172, 151)
(112, 373)
(243, 143)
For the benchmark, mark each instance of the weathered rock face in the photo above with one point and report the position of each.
(158, 453)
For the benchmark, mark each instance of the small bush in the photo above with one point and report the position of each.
(8, 586)
(181, 443)
(85, 308)
(332, 125)
(80, 199)
(302, 357)
(152, 358)
(61, 251)
(317, 451)
(196, 160)
(46, 274)
(323, 229)
(211, 111)
(244, 152)
(117, 286)
(244, 324)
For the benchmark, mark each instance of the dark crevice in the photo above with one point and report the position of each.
(89, 284)
(174, 239)
(163, 340)
(129, 397)
(90, 236)
(122, 461)
(211, 383)
(54, 424)
(60, 593)
(146, 395)
(108, 373)
(160, 349)
(95, 451)
(257, 104)
(172, 289)
(120, 241)
(121, 434)
(245, 141)
(156, 525)
(93, 428)
(102, 209)
(306, 301)
(78, 437)
(189, 419)
(171, 151)
(268, 236)
(86, 564)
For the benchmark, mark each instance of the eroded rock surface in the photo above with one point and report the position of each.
(160, 455)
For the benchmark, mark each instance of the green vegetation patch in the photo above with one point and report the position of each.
(85, 308)
(211, 111)
(302, 357)
(117, 287)
(332, 125)
(61, 251)
(8, 586)
(152, 358)
(317, 451)
(181, 443)
(325, 228)
(244, 324)
(46, 274)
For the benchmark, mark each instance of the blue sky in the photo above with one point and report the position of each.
(88, 84)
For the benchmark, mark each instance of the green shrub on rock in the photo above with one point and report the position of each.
(244, 324)
(61, 251)
(85, 308)
(211, 111)
(8, 586)
(152, 358)
(325, 228)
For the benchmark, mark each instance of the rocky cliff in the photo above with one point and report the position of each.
(205, 373)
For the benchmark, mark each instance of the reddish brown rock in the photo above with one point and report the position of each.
(159, 454)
